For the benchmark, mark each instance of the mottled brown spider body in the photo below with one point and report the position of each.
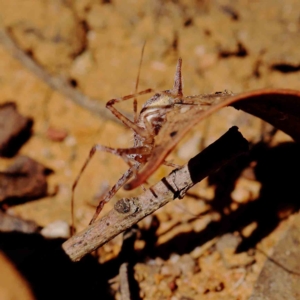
(145, 126)
(153, 113)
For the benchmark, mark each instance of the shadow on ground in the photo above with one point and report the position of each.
(49, 271)
(280, 195)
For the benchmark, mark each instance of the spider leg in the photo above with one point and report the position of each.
(142, 152)
(170, 164)
(125, 177)
(127, 122)
(91, 154)
(124, 153)
(177, 88)
(137, 85)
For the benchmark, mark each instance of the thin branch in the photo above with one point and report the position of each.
(55, 82)
(126, 269)
(277, 263)
(128, 212)
(124, 282)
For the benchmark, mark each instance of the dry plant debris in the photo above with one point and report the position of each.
(10, 223)
(24, 180)
(15, 129)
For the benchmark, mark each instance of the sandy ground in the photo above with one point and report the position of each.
(96, 46)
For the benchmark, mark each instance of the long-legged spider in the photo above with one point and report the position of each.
(145, 126)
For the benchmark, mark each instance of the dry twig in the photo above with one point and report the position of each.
(128, 212)
(126, 268)
(124, 282)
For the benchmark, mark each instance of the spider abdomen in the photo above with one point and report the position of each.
(153, 113)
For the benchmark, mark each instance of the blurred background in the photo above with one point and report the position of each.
(93, 48)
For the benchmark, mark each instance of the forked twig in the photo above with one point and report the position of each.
(128, 212)
(54, 82)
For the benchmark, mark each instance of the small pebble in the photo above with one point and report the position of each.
(187, 264)
(70, 141)
(56, 134)
(170, 270)
(174, 258)
(56, 229)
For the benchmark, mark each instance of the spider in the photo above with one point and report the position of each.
(146, 127)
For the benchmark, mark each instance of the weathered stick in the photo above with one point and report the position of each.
(128, 212)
